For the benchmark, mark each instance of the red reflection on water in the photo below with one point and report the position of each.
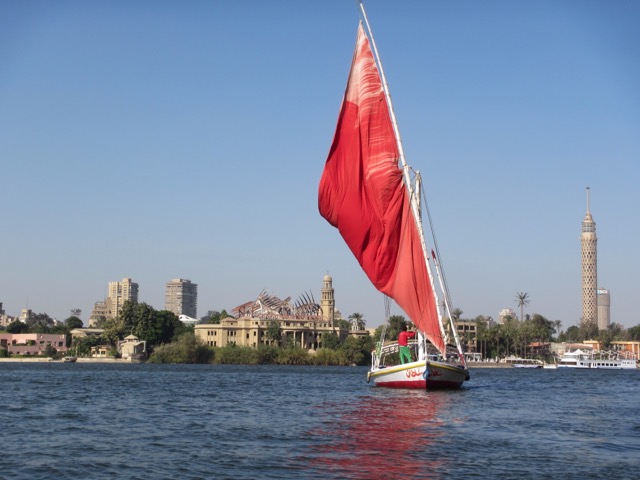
(382, 436)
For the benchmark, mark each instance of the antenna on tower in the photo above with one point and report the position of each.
(587, 199)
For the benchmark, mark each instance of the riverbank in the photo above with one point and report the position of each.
(472, 365)
(51, 360)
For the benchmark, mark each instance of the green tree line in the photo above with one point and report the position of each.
(189, 349)
(514, 336)
(170, 341)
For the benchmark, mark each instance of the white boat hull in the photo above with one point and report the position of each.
(419, 375)
(581, 359)
(616, 364)
(601, 364)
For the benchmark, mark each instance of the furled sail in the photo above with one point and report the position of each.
(362, 194)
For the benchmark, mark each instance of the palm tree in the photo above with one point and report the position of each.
(509, 332)
(522, 300)
(557, 324)
(482, 328)
(357, 321)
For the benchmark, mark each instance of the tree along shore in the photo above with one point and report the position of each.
(189, 349)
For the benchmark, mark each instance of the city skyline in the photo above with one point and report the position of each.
(156, 141)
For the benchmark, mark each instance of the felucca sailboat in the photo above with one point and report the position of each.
(371, 195)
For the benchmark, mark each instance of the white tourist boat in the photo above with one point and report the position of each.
(575, 359)
(586, 359)
(372, 196)
(614, 363)
(524, 362)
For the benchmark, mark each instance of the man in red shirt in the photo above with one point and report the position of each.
(403, 342)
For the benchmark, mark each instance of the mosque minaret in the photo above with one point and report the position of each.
(589, 242)
(328, 302)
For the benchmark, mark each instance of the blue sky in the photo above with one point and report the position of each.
(158, 139)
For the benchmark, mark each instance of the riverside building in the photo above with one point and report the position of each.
(302, 323)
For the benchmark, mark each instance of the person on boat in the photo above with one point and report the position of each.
(403, 344)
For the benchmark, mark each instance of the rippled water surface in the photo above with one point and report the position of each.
(86, 421)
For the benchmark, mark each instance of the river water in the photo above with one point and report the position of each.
(97, 421)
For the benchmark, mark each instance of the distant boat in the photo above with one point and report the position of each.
(615, 364)
(584, 359)
(367, 192)
(524, 362)
(70, 359)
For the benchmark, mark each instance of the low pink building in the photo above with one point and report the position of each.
(32, 343)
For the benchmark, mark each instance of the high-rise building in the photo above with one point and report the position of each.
(4, 318)
(99, 313)
(589, 242)
(181, 297)
(604, 304)
(120, 292)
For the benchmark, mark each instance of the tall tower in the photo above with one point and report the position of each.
(589, 242)
(328, 302)
(181, 297)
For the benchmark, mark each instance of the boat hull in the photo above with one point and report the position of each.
(581, 359)
(419, 375)
(602, 364)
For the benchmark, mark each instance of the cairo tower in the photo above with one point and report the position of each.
(589, 242)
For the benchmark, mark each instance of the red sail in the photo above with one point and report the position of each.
(362, 194)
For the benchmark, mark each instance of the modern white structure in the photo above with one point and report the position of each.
(504, 313)
(191, 322)
(589, 242)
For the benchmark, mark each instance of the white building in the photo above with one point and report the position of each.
(504, 313)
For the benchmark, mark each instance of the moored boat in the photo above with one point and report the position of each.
(524, 362)
(585, 359)
(615, 364)
(575, 359)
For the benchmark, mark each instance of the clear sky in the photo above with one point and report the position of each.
(162, 139)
